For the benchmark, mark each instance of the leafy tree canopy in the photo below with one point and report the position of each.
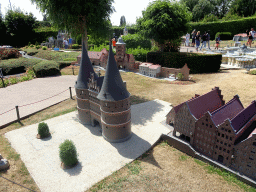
(243, 7)
(122, 21)
(78, 17)
(164, 21)
(201, 9)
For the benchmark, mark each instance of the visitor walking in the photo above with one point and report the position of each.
(208, 39)
(253, 34)
(247, 33)
(187, 39)
(217, 42)
(197, 39)
(193, 34)
(65, 42)
(204, 39)
(70, 42)
(250, 38)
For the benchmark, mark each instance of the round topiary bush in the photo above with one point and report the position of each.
(43, 130)
(68, 154)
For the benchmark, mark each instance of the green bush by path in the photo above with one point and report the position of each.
(46, 68)
(135, 40)
(9, 54)
(197, 63)
(15, 66)
(43, 130)
(68, 153)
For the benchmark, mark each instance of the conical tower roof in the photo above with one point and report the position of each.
(85, 71)
(120, 41)
(113, 88)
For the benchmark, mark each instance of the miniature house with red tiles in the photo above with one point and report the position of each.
(104, 100)
(223, 132)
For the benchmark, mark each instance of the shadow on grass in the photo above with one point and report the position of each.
(137, 99)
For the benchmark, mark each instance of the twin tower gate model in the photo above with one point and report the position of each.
(104, 100)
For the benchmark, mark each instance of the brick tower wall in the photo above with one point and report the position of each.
(116, 120)
(83, 106)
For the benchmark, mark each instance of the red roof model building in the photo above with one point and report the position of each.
(223, 132)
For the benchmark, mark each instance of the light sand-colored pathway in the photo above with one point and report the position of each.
(33, 91)
(97, 157)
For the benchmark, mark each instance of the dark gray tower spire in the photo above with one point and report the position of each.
(85, 71)
(113, 88)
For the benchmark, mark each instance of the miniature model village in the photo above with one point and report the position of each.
(224, 132)
(127, 62)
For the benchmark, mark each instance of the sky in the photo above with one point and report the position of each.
(131, 9)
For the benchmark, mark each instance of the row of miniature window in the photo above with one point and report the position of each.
(206, 125)
(209, 138)
(205, 150)
(220, 148)
(221, 142)
(204, 144)
(206, 131)
(222, 135)
(115, 105)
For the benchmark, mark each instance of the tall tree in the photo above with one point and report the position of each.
(243, 7)
(20, 26)
(189, 3)
(201, 9)
(165, 22)
(79, 17)
(122, 21)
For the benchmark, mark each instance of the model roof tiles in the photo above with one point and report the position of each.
(227, 111)
(113, 88)
(207, 102)
(243, 117)
(154, 66)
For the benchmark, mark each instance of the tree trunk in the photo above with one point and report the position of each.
(84, 39)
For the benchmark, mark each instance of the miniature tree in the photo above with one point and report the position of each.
(43, 130)
(180, 76)
(68, 154)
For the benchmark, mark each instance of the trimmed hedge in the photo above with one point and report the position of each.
(46, 68)
(120, 30)
(235, 26)
(15, 66)
(224, 35)
(9, 53)
(139, 54)
(135, 40)
(197, 63)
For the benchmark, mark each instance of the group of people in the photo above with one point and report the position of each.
(251, 36)
(204, 39)
(67, 43)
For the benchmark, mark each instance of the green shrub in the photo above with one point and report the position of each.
(31, 45)
(75, 46)
(180, 76)
(99, 48)
(43, 130)
(13, 80)
(120, 30)
(24, 78)
(253, 72)
(46, 68)
(197, 63)
(9, 54)
(44, 48)
(139, 54)
(38, 46)
(224, 35)
(134, 41)
(67, 153)
(69, 59)
(15, 66)
(63, 64)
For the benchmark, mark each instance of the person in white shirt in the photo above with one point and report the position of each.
(253, 34)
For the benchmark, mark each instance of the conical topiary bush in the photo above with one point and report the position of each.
(68, 154)
(43, 130)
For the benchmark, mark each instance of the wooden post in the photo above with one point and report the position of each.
(17, 111)
(70, 92)
(3, 82)
(73, 70)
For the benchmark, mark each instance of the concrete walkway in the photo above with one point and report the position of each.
(33, 91)
(97, 157)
